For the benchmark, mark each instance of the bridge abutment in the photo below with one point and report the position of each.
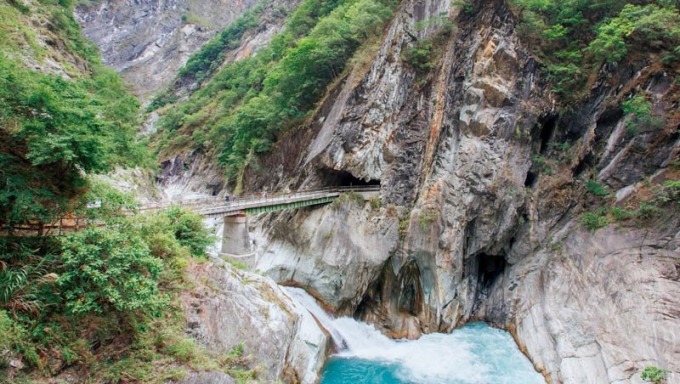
(235, 236)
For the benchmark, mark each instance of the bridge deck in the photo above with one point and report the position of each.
(265, 202)
(250, 204)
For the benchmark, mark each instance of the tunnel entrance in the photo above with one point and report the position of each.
(332, 177)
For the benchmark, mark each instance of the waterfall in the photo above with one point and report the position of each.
(473, 354)
(348, 334)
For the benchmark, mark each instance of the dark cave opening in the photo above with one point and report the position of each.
(530, 179)
(489, 268)
(587, 162)
(606, 123)
(547, 131)
(331, 177)
(410, 297)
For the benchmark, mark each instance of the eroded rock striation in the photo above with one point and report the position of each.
(485, 231)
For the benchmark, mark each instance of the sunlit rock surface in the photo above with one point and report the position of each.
(229, 307)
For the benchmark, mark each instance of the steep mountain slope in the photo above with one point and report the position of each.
(88, 291)
(491, 186)
(528, 171)
(149, 41)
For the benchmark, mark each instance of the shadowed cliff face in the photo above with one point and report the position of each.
(484, 180)
(148, 41)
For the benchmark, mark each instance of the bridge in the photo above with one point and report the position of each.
(256, 203)
(236, 239)
(236, 242)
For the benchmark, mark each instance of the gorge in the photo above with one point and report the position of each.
(524, 154)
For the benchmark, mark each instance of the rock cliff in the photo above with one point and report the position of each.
(229, 308)
(484, 186)
(148, 41)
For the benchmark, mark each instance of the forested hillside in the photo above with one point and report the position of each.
(526, 153)
(97, 305)
(239, 110)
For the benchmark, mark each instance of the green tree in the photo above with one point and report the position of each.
(52, 132)
(108, 269)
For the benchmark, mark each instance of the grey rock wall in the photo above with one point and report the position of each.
(484, 232)
(147, 41)
(470, 225)
(230, 307)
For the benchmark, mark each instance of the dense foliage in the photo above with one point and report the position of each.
(104, 271)
(56, 128)
(206, 60)
(103, 300)
(240, 111)
(67, 298)
(575, 37)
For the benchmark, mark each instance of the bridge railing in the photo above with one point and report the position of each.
(274, 197)
(211, 206)
(262, 197)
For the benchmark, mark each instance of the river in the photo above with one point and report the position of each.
(473, 354)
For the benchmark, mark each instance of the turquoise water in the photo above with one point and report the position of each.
(474, 354)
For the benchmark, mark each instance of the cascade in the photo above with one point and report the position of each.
(474, 354)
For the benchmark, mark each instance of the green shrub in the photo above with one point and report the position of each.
(593, 221)
(641, 111)
(427, 217)
(420, 56)
(621, 214)
(654, 374)
(648, 210)
(596, 188)
(188, 229)
(183, 349)
(105, 269)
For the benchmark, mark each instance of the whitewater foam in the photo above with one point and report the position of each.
(475, 354)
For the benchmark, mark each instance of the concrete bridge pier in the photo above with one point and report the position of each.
(235, 236)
